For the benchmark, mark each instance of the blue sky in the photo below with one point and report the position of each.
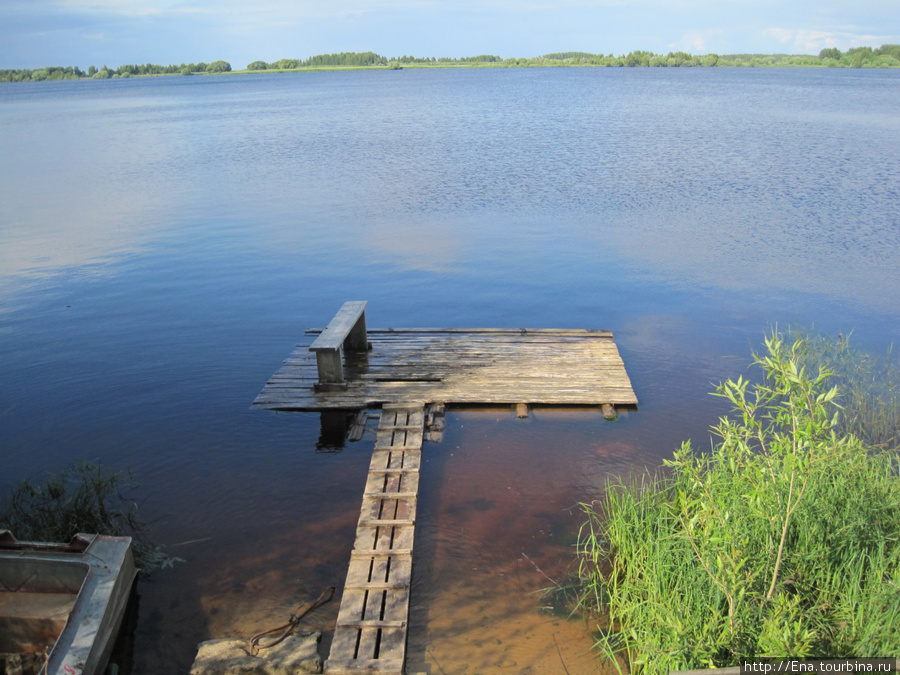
(35, 33)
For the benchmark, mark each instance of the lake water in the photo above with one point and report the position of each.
(164, 243)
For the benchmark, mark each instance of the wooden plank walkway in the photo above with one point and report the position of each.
(370, 635)
(461, 366)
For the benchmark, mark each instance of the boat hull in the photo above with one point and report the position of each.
(77, 591)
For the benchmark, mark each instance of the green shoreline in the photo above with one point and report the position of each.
(886, 56)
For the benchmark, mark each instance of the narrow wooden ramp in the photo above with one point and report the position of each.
(370, 634)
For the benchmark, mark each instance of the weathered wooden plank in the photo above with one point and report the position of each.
(366, 539)
(386, 523)
(384, 535)
(409, 494)
(374, 610)
(374, 539)
(395, 605)
(391, 471)
(402, 537)
(358, 428)
(589, 332)
(378, 572)
(383, 512)
(344, 642)
(399, 415)
(368, 640)
(399, 439)
(591, 374)
(473, 380)
(499, 399)
(395, 458)
(401, 340)
(406, 509)
(353, 605)
(398, 552)
(475, 351)
(359, 573)
(355, 667)
(393, 645)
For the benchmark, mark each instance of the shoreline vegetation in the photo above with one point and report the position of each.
(886, 56)
(84, 497)
(781, 541)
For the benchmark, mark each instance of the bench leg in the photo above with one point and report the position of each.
(357, 340)
(330, 366)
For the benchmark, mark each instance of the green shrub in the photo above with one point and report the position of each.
(218, 67)
(781, 541)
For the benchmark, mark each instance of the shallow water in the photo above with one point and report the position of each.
(164, 243)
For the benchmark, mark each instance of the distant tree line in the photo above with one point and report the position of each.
(345, 59)
(104, 73)
(886, 56)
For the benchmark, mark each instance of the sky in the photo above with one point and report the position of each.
(38, 33)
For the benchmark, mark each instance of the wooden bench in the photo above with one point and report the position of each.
(347, 331)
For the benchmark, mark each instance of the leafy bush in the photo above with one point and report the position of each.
(784, 540)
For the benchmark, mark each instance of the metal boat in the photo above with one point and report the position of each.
(61, 605)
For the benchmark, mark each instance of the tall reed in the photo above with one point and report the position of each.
(784, 540)
(84, 497)
(869, 385)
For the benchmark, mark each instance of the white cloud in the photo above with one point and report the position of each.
(700, 42)
(295, 9)
(783, 35)
(133, 8)
(813, 41)
(43, 31)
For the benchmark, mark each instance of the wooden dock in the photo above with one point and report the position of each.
(411, 374)
(460, 366)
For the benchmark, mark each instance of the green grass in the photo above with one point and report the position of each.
(780, 541)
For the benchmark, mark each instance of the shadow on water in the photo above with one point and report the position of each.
(275, 530)
(169, 630)
(334, 427)
(239, 588)
(122, 654)
(497, 521)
